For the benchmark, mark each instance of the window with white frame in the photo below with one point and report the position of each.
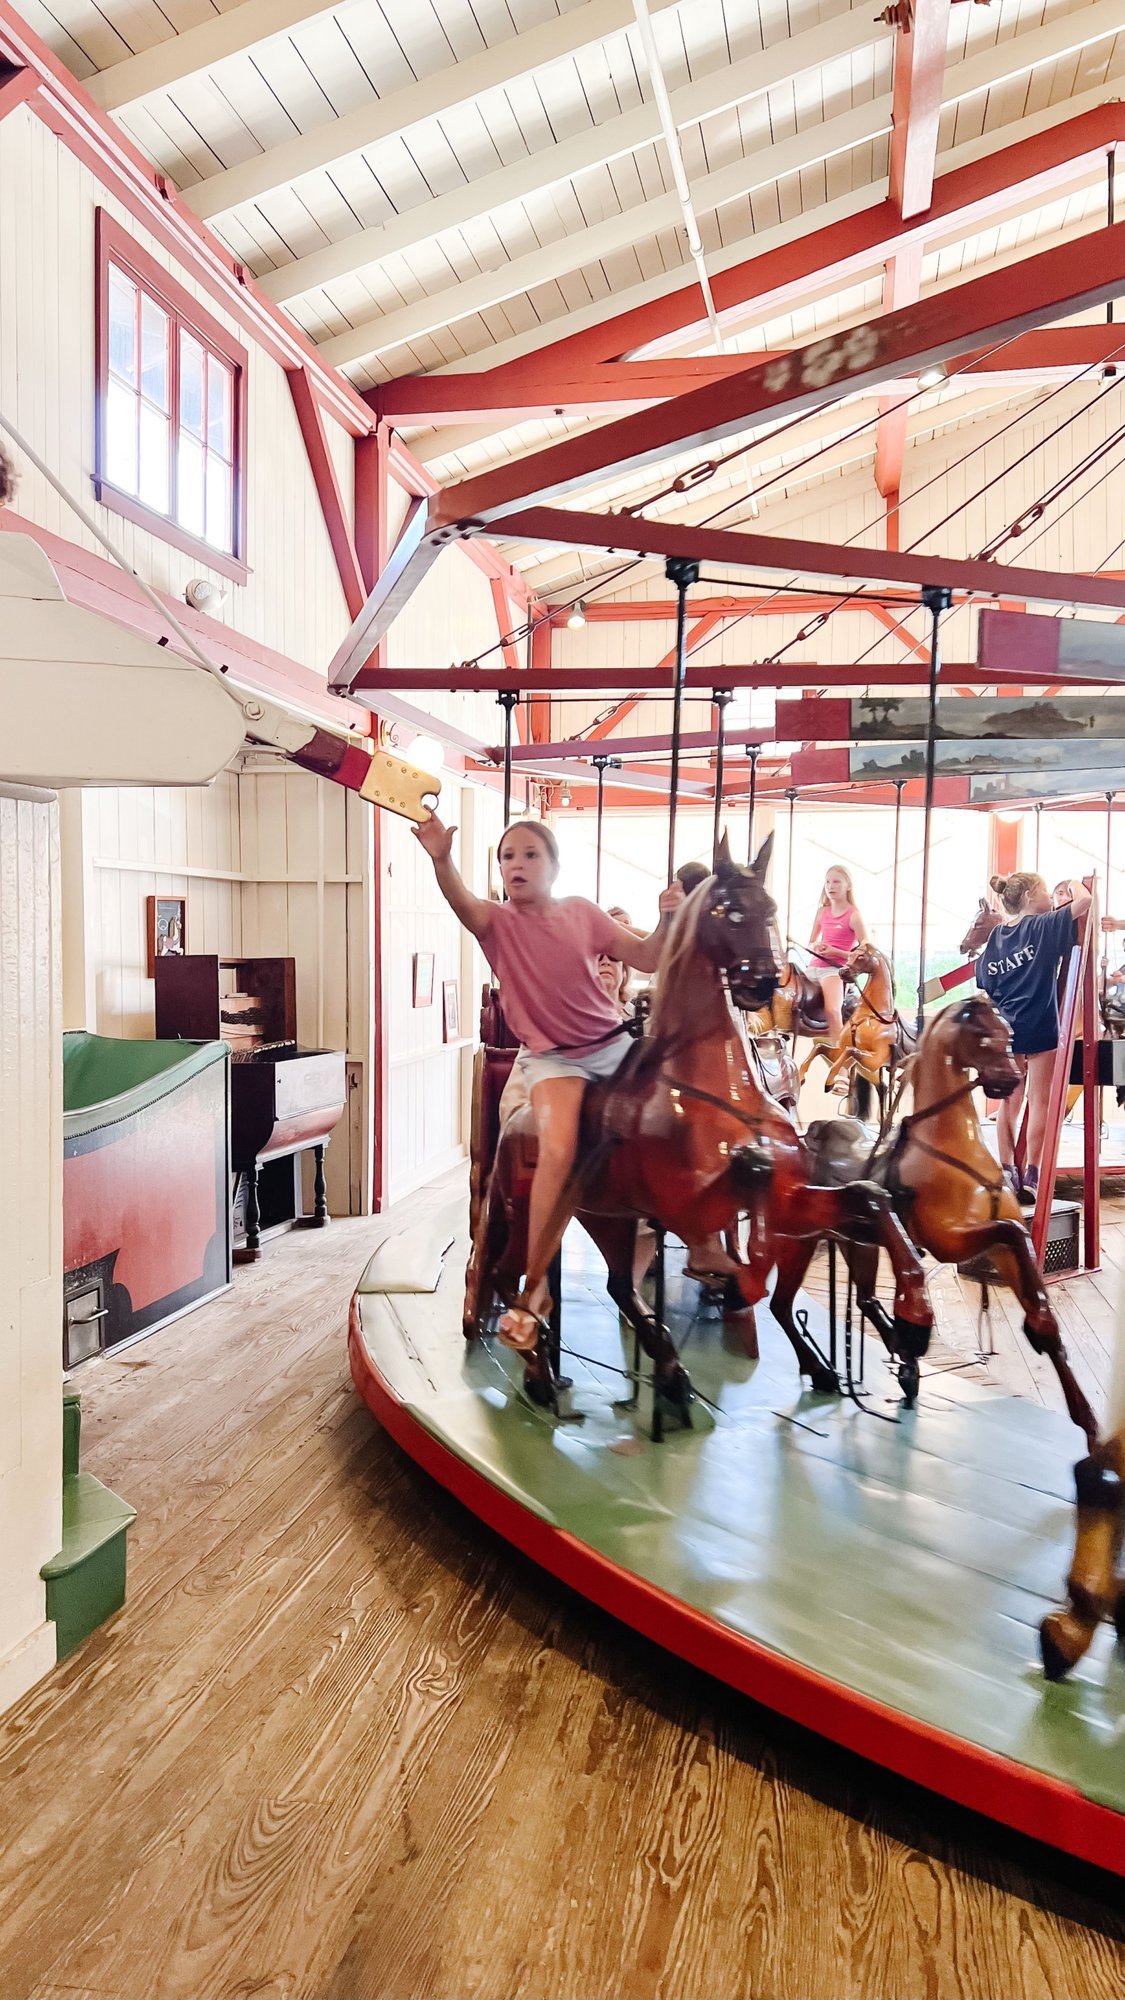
(171, 387)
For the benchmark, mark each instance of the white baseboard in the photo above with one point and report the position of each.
(27, 1663)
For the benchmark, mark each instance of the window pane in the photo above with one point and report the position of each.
(219, 400)
(154, 459)
(189, 485)
(154, 353)
(122, 325)
(121, 437)
(191, 385)
(218, 503)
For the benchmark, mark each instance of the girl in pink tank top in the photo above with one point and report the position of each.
(836, 932)
(545, 953)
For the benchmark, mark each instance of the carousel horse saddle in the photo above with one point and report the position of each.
(809, 1017)
(777, 1072)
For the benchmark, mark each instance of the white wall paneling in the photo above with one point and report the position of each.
(30, 1235)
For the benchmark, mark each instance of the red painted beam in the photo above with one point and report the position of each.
(16, 87)
(767, 284)
(1053, 284)
(323, 469)
(783, 553)
(613, 387)
(596, 681)
(902, 286)
(916, 107)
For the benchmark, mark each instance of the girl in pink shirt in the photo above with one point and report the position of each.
(545, 954)
(836, 932)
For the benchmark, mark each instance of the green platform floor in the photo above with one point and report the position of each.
(909, 1563)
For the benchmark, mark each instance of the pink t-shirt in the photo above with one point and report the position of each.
(838, 931)
(547, 965)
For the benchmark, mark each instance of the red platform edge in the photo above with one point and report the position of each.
(1032, 1803)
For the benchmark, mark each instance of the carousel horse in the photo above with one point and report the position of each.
(685, 1135)
(946, 1185)
(875, 1037)
(1096, 1583)
(797, 1006)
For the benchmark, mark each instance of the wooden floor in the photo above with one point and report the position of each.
(343, 1743)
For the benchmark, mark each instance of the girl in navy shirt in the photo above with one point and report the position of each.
(1018, 968)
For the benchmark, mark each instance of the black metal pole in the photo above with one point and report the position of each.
(899, 783)
(753, 751)
(791, 795)
(681, 572)
(601, 766)
(507, 699)
(936, 598)
(721, 698)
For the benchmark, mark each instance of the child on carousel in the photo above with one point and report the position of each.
(545, 952)
(837, 929)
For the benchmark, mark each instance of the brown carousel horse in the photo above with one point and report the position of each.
(946, 1185)
(685, 1135)
(1096, 1584)
(875, 1037)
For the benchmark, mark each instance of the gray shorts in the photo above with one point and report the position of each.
(593, 1064)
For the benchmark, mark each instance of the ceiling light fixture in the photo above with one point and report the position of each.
(933, 376)
(577, 617)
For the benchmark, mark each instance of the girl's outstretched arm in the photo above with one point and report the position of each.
(473, 911)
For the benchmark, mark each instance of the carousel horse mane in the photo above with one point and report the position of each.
(672, 1005)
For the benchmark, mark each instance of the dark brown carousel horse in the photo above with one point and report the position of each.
(686, 1136)
(946, 1185)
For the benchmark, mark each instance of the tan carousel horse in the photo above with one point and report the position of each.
(947, 1187)
(1096, 1584)
(875, 1037)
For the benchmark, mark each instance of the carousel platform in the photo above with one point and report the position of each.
(879, 1582)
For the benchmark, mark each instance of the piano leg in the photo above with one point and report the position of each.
(320, 1216)
(252, 1249)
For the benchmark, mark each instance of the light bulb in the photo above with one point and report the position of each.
(426, 752)
(578, 615)
(564, 798)
(933, 376)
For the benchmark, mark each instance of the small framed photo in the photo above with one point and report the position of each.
(423, 979)
(450, 1010)
(167, 929)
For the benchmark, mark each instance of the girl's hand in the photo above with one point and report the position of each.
(435, 838)
(671, 898)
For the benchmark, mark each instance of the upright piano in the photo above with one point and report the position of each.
(284, 1099)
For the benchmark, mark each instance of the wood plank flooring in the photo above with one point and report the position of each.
(342, 1744)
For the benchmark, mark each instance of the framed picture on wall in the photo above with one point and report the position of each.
(167, 929)
(423, 979)
(450, 1011)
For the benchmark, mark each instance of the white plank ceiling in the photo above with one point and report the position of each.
(436, 184)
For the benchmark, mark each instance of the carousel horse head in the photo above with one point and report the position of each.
(973, 1034)
(980, 930)
(864, 959)
(735, 926)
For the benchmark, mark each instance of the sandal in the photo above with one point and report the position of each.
(520, 1328)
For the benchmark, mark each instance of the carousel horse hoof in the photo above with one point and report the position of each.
(1063, 1639)
(541, 1391)
(909, 1378)
(674, 1395)
(910, 1340)
(824, 1380)
(1119, 1616)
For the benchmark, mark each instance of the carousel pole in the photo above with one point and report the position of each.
(1109, 798)
(899, 783)
(791, 795)
(721, 699)
(508, 699)
(601, 764)
(753, 751)
(936, 598)
(1038, 817)
(681, 572)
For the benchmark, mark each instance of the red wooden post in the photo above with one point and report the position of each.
(1091, 1096)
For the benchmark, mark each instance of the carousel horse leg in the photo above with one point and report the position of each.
(616, 1237)
(1093, 1586)
(862, 1260)
(1039, 1323)
(794, 1255)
